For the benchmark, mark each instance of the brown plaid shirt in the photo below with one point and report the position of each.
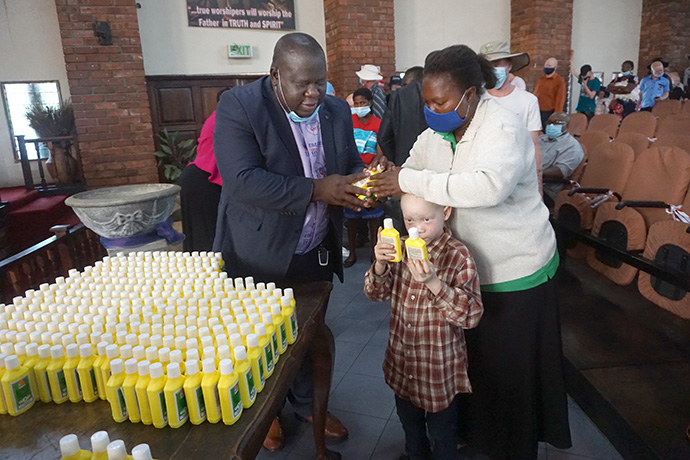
(426, 358)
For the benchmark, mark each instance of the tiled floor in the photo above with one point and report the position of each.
(363, 402)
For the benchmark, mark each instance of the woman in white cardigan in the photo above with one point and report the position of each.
(478, 158)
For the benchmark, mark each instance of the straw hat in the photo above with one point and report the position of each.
(494, 51)
(369, 72)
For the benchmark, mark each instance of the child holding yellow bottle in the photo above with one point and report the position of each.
(432, 301)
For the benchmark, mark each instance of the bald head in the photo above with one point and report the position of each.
(294, 47)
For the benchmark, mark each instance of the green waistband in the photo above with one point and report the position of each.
(541, 276)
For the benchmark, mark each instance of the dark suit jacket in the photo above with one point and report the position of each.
(265, 193)
(403, 122)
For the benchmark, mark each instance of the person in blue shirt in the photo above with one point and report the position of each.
(654, 87)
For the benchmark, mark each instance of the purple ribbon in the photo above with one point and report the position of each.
(162, 230)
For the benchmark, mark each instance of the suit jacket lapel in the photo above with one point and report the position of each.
(282, 126)
(328, 138)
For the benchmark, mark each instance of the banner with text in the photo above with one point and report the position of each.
(242, 14)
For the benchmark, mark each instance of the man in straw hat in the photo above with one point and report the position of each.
(523, 104)
(369, 77)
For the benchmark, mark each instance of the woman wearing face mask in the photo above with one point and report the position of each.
(478, 158)
(366, 128)
(624, 89)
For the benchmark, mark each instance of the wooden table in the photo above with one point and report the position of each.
(36, 434)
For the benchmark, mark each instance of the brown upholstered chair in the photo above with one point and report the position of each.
(668, 243)
(578, 124)
(606, 122)
(675, 125)
(639, 122)
(659, 174)
(592, 139)
(639, 142)
(663, 109)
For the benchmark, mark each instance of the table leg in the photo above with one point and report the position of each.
(322, 352)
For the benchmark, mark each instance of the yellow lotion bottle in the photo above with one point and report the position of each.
(140, 389)
(87, 373)
(129, 390)
(415, 246)
(279, 324)
(254, 353)
(114, 392)
(70, 449)
(41, 372)
(389, 235)
(194, 393)
(30, 363)
(209, 387)
(56, 375)
(16, 386)
(266, 348)
(267, 319)
(156, 396)
(99, 445)
(71, 374)
(175, 400)
(229, 391)
(97, 365)
(244, 371)
(289, 318)
(118, 451)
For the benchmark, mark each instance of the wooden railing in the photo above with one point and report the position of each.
(45, 261)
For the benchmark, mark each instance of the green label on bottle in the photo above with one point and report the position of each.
(283, 337)
(92, 374)
(274, 341)
(22, 396)
(249, 378)
(77, 381)
(62, 384)
(262, 378)
(121, 401)
(200, 402)
(164, 409)
(268, 355)
(181, 405)
(293, 323)
(235, 400)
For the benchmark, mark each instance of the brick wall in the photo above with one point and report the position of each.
(108, 90)
(665, 32)
(358, 32)
(542, 28)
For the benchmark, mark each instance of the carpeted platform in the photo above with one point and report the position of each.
(627, 364)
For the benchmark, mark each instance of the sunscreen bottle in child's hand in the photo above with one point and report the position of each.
(415, 246)
(389, 235)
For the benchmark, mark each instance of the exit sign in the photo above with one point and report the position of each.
(239, 51)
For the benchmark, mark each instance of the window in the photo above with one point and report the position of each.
(18, 96)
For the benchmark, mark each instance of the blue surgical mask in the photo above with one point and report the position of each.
(445, 122)
(553, 131)
(291, 113)
(501, 76)
(361, 111)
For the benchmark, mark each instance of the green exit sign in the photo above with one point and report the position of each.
(239, 51)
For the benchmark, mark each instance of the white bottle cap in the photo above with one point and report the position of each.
(12, 362)
(260, 329)
(112, 352)
(192, 367)
(413, 232)
(99, 442)
(117, 450)
(141, 452)
(225, 366)
(117, 366)
(85, 350)
(240, 353)
(44, 351)
(208, 366)
(252, 341)
(193, 353)
(69, 445)
(57, 352)
(143, 368)
(130, 366)
(72, 350)
(156, 370)
(32, 349)
(388, 223)
(224, 352)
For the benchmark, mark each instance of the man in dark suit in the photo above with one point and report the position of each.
(284, 151)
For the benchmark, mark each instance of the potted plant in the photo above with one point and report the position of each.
(174, 154)
(50, 121)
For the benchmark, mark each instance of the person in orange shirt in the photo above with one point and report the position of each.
(550, 90)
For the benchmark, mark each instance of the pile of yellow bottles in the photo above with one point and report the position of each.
(165, 337)
(101, 449)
